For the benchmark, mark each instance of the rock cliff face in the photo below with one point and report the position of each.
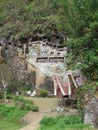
(21, 73)
(37, 65)
(47, 61)
(48, 85)
(91, 113)
(19, 68)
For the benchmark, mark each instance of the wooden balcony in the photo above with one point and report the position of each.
(50, 59)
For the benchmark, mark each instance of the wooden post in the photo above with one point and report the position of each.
(0, 51)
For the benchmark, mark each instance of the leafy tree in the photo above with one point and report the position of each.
(83, 43)
(5, 78)
(21, 19)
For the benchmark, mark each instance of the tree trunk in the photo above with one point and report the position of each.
(5, 99)
(4, 90)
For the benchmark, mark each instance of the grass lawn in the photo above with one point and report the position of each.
(11, 114)
(63, 123)
(9, 117)
(4, 125)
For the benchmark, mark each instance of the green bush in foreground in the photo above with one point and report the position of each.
(4, 125)
(63, 123)
(25, 104)
(29, 107)
(21, 99)
(10, 116)
(43, 93)
(11, 113)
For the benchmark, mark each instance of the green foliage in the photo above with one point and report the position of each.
(15, 85)
(10, 116)
(5, 78)
(25, 104)
(18, 86)
(5, 74)
(4, 125)
(83, 47)
(21, 99)
(62, 123)
(43, 93)
(9, 96)
(11, 113)
(28, 107)
(21, 19)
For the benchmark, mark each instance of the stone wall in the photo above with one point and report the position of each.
(91, 112)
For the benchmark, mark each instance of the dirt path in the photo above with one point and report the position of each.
(37, 117)
(34, 118)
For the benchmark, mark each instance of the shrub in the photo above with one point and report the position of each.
(9, 96)
(35, 108)
(62, 123)
(29, 107)
(21, 99)
(25, 104)
(1, 95)
(48, 121)
(43, 93)
(11, 113)
(28, 101)
(68, 101)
